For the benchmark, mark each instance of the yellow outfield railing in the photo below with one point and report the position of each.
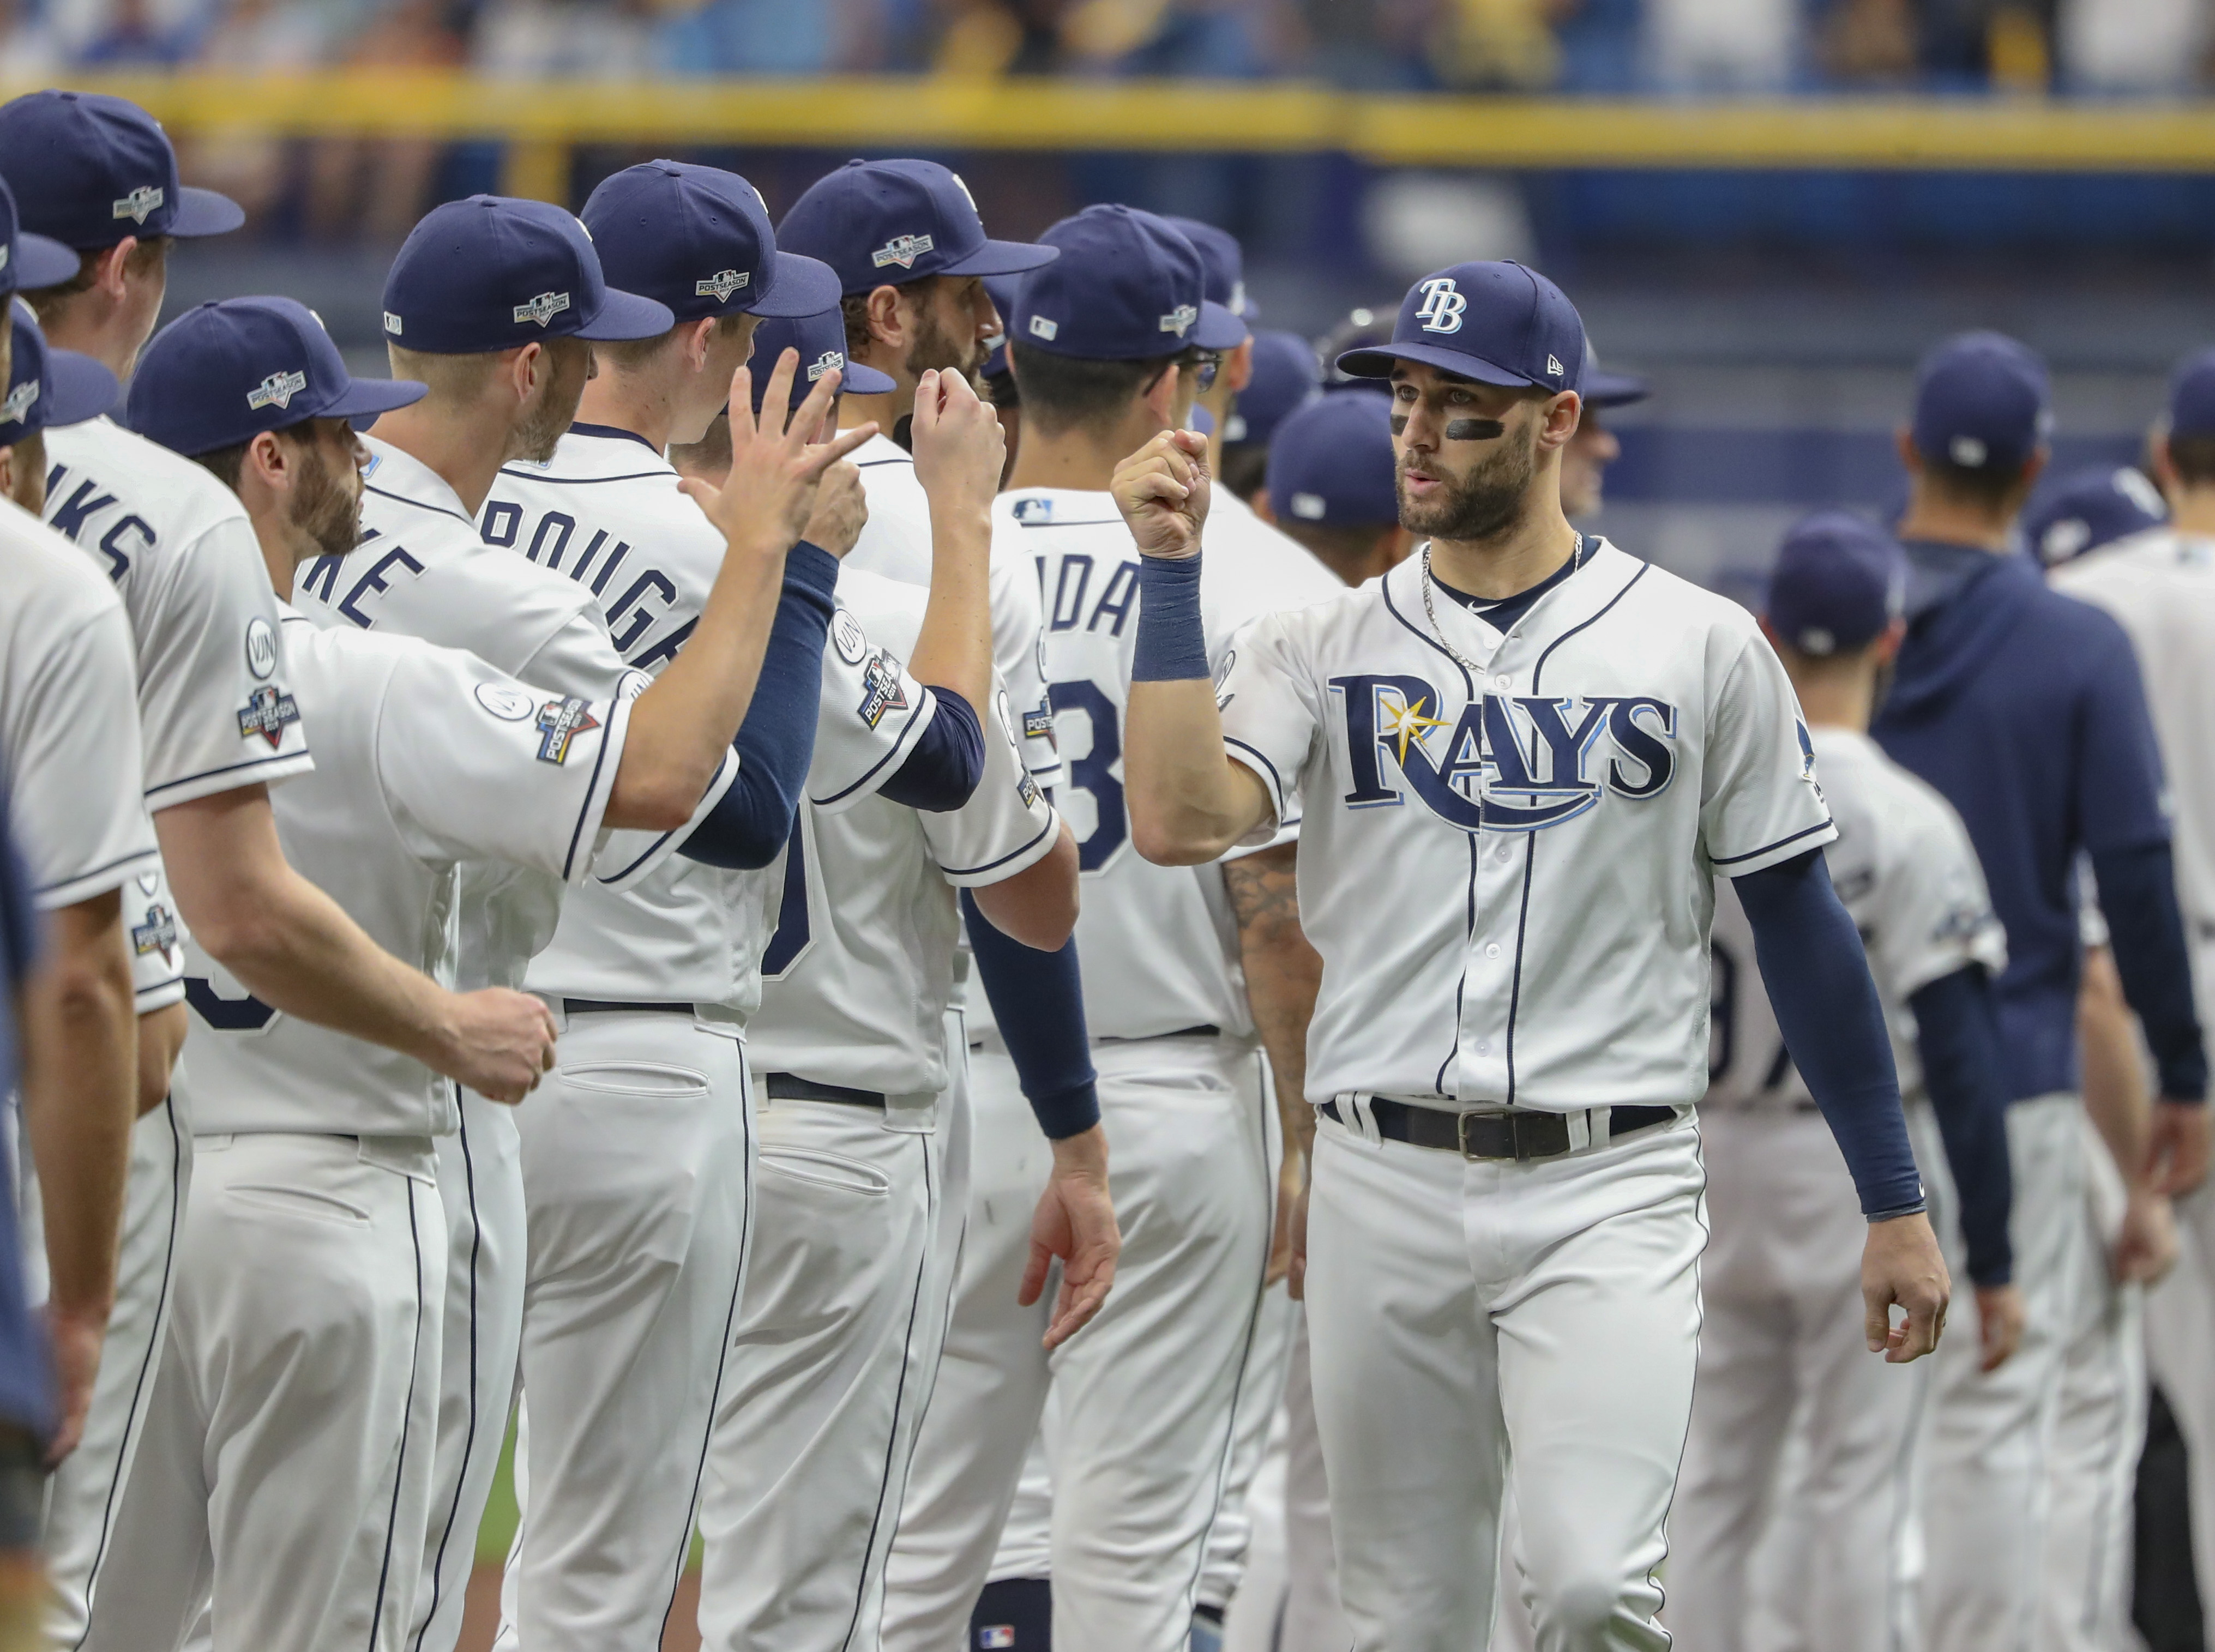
(541, 120)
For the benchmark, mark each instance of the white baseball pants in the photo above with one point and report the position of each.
(1989, 1455)
(2180, 1319)
(637, 1158)
(1783, 1350)
(1146, 1394)
(480, 1186)
(858, 1236)
(283, 1476)
(1301, 1613)
(84, 1495)
(1468, 1319)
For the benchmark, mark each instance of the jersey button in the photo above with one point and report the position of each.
(1483, 1047)
(1503, 681)
(1492, 951)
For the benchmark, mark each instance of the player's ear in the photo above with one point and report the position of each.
(2160, 465)
(526, 365)
(1160, 397)
(1904, 439)
(109, 267)
(887, 321)
(1559, 417)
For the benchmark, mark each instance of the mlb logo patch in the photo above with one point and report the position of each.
(1033, 512)
(1044, 328)
(138, 204)
(276, 391)
(542, 308)
(902, 250)
(993, 1636)
(721, 286)
(266, 713)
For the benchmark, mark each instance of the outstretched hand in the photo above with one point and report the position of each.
(1162, 491)
(766, 501)
(1075, 1222)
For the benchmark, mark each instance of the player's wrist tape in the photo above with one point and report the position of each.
(1172, 646)
(1067, 1112)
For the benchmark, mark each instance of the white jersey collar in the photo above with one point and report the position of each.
(1576, 602)
(401, 474)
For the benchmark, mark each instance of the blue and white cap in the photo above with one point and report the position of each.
(698, 239)
(1286, 373)
(2091, 508)
(1127, 287)
(492, 272)
(820, 338)
(1331, 461)
(1497, 323)
(883, 224)
(49, 387)
(1838, 582)
(28, 260)
(91, 170)
(223, 373)
(1981, 402)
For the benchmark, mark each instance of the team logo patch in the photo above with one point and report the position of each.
(261, 648)
(561, 721)
(509, 705)
(156, 934)
(721, 286)
(1044, 328)
(542, 308)
(1807, 758)
(138, 204)
(847, 638)
(19, 402)
(902, 250)
(881, 689)
(1443, 305)
(267, 713)
(276, 391)
(829, 360)
(1179, 320)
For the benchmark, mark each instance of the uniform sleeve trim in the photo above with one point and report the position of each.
(161, 995)
(916, 725)
(597, 800)
(1251, 756)
(977, 874)
(256, 771)
(95, 880)
(726, 775)
(1826, 825)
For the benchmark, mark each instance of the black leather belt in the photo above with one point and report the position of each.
(790, 1086)
(622, 1007)
(1207, 1030)
(1492, 1136)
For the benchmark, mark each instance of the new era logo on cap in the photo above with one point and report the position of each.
(721, 286)
(1554, 365)
(1179, 320)
(141, 201)
(542, 308)
(276, 390)
(1442, 307)
(902, 250)
(830, 360)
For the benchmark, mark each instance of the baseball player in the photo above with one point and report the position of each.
(494, 303)
(1329, 483)
(1286, 376)
(436, 759)
(1778, 1281)
(1993, 664)
(1106, 343)
(2092, 508)
(864, 1148)
(47, 389)
(2157, 584)
(633, 1281)
(1594, 448)
(1555, 748)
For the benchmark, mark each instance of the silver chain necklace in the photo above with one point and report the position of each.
(1431, 611)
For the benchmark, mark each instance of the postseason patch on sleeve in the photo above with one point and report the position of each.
(881, 689)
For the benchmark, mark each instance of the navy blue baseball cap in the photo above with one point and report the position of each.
(1286, 373)
(698, 239)
(1128, 287)
(223, 373)
(1838, 582)
(1223, 261)
(1980, 402)
(1602, 388)
(27, 259)
(1331, 462)
(820, 338)
(46, 387)
(90, 169)
(888, 223)
(2090, 509)
(1497, 323)
(492, 272)
(2191, 397)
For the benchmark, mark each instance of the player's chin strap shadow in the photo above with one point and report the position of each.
(1459, 429)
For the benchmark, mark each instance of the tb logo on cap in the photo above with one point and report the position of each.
(276, 390)
(721, 286)
(902, 250)
(1442, 307)
(1179, 320)
(137, 203)
(542, 308)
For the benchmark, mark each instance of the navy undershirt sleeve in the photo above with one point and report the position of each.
(2145, 932)
(1038, 1000)
(1957, 1032)
(751, 822)
(942, 772)
(1826, 1006)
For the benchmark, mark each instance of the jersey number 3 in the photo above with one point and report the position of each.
(1092, 773)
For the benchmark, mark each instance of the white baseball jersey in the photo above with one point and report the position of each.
(1509, 864)
(1905, 869)
(861, 969)
(68, 721)
(215, 702)
(689, 933)
(1159, 943)
(431, 758)
(2160, 587)
(422, 569)
(896, 543)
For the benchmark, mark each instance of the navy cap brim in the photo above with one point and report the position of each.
(855, 379)
(1217, 329)
(624, 316)
(804, 286)
(1376, 362)
(74, 388)
(366, 398)
(1612, 389)
(1004, 258)
(204, 212)
(42, 261)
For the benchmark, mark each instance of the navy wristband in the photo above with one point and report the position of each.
(1172, 646)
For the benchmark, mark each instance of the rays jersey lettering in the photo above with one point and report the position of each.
(1507, 764)
(637, 599)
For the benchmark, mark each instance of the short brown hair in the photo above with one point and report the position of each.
(628, 355)
(228, 464)
(2193, 459)
(1063, 393)
(1985, 487)
(50, 304)
(853, 309)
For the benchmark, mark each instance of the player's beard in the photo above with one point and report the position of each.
(935, 348)
(325, 509)
(1485, 504)
(570, 362)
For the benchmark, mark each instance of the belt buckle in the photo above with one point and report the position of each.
(1461, 1135)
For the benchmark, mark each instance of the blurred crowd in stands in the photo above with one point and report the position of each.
(2090, 47)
